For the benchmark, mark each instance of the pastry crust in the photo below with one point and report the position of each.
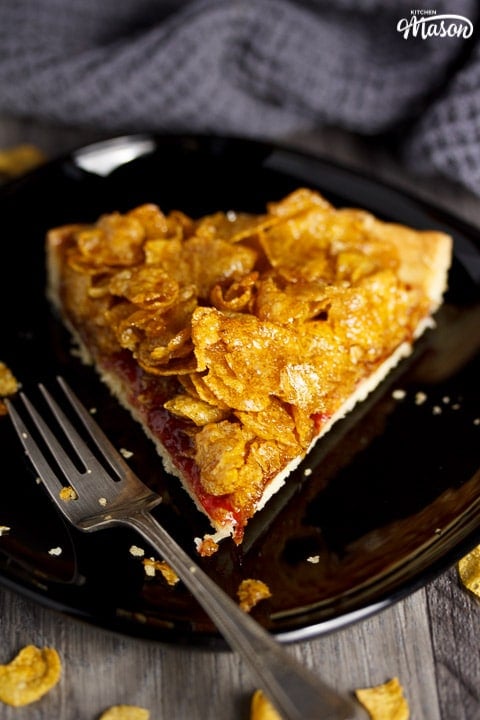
(246, 336)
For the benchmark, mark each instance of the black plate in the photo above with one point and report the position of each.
(393, 495)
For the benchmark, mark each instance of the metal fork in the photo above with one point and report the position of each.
(104, 501)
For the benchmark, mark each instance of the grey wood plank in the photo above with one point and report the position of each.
(382, 647)
(101, 668)
(455, 629)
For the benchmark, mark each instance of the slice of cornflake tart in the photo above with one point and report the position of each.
(237, 340)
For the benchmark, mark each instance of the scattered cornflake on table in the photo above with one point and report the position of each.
(151, 566)
(4, 530)
(314, 559)
(261, 708)
(399, 394)
(126, 453)
(384, 702)
(469, 571)
(19, 159)
(31, 674)
(420, 398)
(125, 712)
(251, 592)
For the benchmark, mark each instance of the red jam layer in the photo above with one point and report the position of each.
(148, 393)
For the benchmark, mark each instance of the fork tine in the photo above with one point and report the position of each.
(37, 458)
(80, 447)
(110, 453)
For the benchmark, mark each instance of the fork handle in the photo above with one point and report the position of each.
(295, 691)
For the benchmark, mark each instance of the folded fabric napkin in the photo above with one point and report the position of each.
(407, 70)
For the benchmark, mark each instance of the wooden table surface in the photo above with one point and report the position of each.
(430, 640)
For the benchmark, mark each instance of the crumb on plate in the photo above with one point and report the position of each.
(251, 592)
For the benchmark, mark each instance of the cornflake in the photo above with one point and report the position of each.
(31, 674)
(4, 530)
(17, 160)
(469, 571)
(8, 385)
(261, 708)
(250, 592)
(206, 546)
(67, 494)
(384, 702)
(125, 712)
(8, 382)
(151, 566)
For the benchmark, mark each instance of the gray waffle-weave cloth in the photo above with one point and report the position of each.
(263, 68)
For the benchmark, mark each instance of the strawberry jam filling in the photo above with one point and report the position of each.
(147, 394)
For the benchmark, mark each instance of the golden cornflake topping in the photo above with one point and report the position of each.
(385, 702)
(257, 316)
(31, 674)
